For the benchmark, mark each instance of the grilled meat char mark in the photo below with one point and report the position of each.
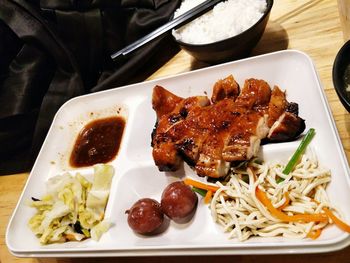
(284, 122)
(245, 134)
(211, 125)
(164, 152)
(287, 127)
(171, 111)
(188, 134)
(210, 136)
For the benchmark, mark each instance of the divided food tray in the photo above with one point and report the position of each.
(136, 175)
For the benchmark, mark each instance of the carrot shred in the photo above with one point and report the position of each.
(286, 203)
(342, 225)
(262, 197)
(191, 182)
(208, 197)
(314, 234)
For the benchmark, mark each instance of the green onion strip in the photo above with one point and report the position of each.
(199, 191)
(298, 153)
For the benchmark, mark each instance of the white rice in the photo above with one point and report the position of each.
(226, 19)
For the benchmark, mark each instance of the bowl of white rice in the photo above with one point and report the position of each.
(229, 31)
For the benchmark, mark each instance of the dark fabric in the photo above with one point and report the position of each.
(53, 50)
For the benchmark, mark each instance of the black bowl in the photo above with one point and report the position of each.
(341, 75)
(235, 47)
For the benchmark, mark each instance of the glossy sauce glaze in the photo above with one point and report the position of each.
(98, 142)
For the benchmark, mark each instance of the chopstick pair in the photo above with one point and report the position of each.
(177, 22)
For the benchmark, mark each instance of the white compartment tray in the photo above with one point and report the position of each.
(137, 176)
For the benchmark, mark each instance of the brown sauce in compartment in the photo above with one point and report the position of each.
(98, 142)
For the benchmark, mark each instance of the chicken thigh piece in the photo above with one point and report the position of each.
(210, 135)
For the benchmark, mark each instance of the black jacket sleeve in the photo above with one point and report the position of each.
(53, 50)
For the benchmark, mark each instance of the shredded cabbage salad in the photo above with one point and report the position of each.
(73, 208)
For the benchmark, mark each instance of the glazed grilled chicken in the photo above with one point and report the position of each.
(210, 135)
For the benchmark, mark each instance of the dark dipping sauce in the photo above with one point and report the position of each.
(98, 142)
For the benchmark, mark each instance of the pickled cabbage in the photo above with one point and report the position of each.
(73, 208)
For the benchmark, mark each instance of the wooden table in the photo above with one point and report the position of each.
(311, 26)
